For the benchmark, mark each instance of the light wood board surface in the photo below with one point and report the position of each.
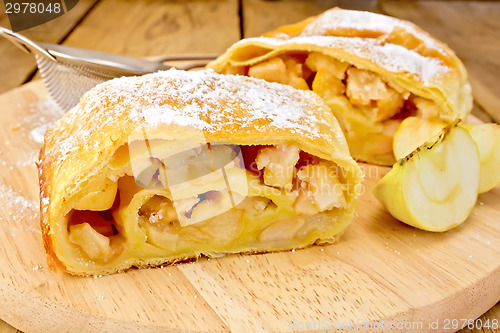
(380, 270)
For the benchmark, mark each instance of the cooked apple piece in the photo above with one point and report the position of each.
(414, 132)
(165, 236)
(222, 228)
(184, 207)
(435, 187)
(255, 205)
(95, 245)
(426, 108)
(320, 62)
(99, 200)
(367, 91)
(286, 70)
(279, 163)
(273, 70)
(320, 189)
(281, 230)
(297, 77)
(213, 201)
(326, 85)
(487, 138)
(159, 209)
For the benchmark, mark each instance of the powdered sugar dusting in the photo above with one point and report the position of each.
(27, 133)
(392, 57)
(17, 211)
(189, 98)
(167, 114)
(349, 19)
(201, 100)
(37, 133)
(46, 111)
(15, 200)
(341, 19)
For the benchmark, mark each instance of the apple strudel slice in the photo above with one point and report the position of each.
(372, 70)
(167, 167)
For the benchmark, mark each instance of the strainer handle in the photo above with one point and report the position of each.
(25, 44)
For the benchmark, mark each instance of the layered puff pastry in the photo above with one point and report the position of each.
(372, 70)
(167, 167)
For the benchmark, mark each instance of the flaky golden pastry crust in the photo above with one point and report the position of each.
(425, 72)
(86, 152)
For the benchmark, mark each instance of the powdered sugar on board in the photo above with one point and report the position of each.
(337, 19)
(22, 149)
(392, 57)
(18, 212)
(46, 112)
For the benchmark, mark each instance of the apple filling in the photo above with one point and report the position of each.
(267, 196)
(368, 107)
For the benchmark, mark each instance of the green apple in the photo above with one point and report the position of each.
(414, 132)
(487, 138)
(435, 187)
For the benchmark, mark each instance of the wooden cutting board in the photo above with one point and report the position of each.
(381, 273)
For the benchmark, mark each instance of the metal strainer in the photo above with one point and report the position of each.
(69, 72)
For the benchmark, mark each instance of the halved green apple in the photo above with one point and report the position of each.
(435, 187)
(413, 132)
(487, 138)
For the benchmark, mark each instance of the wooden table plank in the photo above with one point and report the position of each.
(153, 28)
(260, 16)
(17, 66)
(471, 28)
(6, 328)
(147, 28)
